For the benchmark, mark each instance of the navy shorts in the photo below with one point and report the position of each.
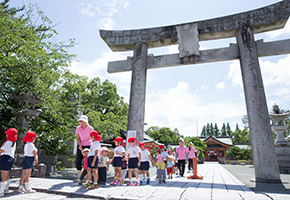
(117, 162)
(144, 165)
(133, 163)
(90, 160)
(27, 162)
(6, 162)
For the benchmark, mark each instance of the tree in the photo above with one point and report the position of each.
(197, 143)
(235, 153)
(164, 135)
(237, 127)
(241, 136)
(31, 61)
(216, 130)
(207, 130)
(203, 132)
(228, 129)
(223, 131)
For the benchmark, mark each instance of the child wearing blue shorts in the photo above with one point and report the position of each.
(93, 160)
(134, 155)
(7, 152)
(145, 165)
(29, 160)
(117, 161)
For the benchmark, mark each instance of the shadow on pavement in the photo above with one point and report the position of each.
(278, 188)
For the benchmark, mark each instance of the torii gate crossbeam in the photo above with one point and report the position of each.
(243, 26)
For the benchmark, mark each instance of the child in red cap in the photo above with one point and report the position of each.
(93, 160)
(29, 160)
(134, 155)
(7, 152)
(117, 161)
(144, 167)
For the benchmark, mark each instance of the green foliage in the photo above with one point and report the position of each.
(223, 131)
(31, 61)
(164, 135)
(235, 153)
(241, 136)
(197, 143)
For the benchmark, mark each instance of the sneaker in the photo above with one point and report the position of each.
(137, 183)
(88, 185)
(130, 183)
(148, 181)
(119, 182)
(114, 182)
(163, 181)
(30, 191)
(141, 181)
(93, 186)
(21, 191)
(159, 181)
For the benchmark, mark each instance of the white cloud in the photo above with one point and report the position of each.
(98, 68)
(105, 10)
(179, 108)
(220, 85)
(272, 73)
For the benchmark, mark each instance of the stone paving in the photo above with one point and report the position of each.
(218, 183)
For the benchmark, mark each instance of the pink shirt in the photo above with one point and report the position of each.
(84, 135)
(181, 152)
(191, 152)
(85, 159)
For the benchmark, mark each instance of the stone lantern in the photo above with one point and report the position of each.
(28, 110)
(278, 125)
(282, 146)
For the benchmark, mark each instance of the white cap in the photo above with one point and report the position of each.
(181, 140)
(84, 118)
(190, 142)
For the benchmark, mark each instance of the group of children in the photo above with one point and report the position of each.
(30, 159)
(95, 162)
(136, 158)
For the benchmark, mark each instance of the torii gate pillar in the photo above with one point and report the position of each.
(264, 156)
(138, 90)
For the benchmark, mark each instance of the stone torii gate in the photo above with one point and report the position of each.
(243, 26)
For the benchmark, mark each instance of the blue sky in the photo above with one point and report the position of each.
(177, 97)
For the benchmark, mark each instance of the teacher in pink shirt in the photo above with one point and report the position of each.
(84, 141)
(181, 156)
(191, 155)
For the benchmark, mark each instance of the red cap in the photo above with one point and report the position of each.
(94, 133)
(29, 136)
(161, 146)
(169, 151)
(98, 138)
(11, 131)
(141, 144)
(119, 139)
(132, 139)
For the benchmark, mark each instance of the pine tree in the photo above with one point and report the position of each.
(237, 127)
(211, 130)
(217, 131)
(228, 129)
(207, 129)
(223, 131)
(203, 133)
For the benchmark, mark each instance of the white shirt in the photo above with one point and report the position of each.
(8, 149)
(96, 145)
(145, 155)
(119, 149)
(164, 154)
(28, 149)
(133, 151)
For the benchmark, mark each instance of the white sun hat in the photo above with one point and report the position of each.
(84, 118)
